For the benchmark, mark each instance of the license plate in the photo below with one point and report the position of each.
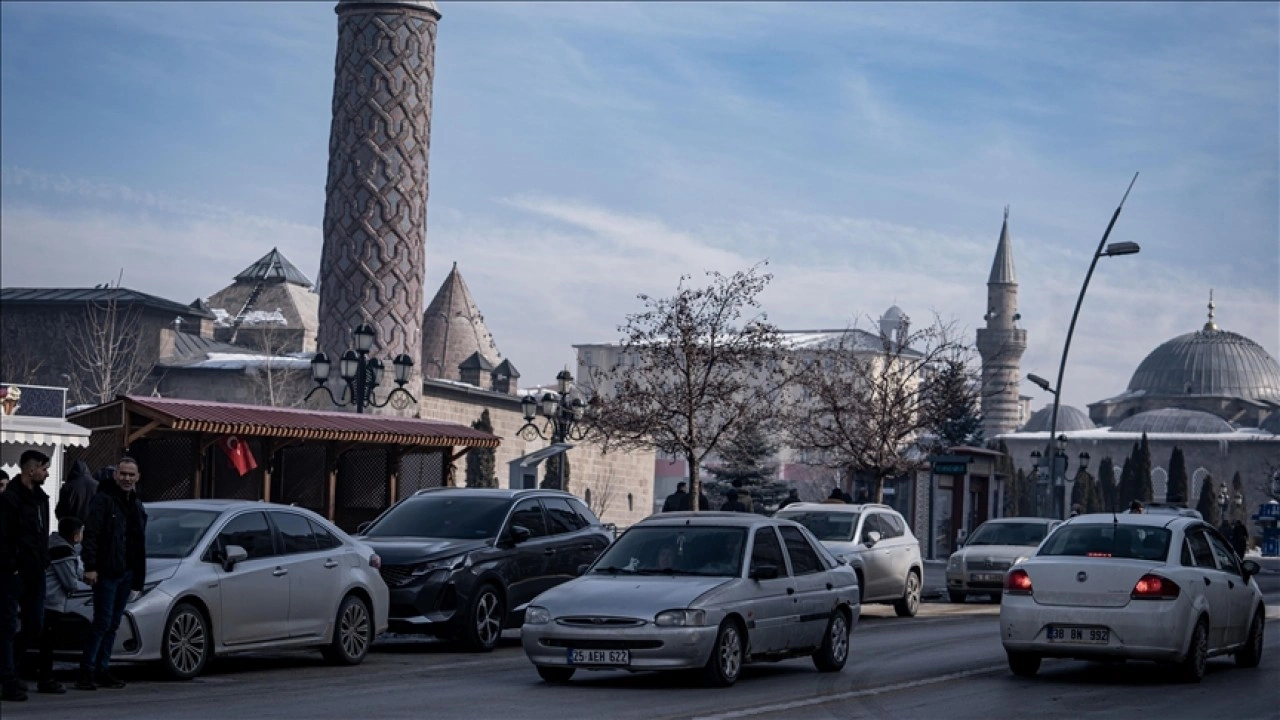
(599, 657)
(1082, 634)
(986, 577)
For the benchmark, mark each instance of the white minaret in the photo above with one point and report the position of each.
(1001, 343)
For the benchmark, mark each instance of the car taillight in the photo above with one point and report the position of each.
(1017, 582)
(1154, 587)
(375, 562)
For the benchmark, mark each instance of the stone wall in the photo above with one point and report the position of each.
(621, 483)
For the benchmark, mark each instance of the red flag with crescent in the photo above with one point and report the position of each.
(238, 453)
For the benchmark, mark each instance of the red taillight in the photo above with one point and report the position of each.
(1154, 587)
(375, 562)
(1017, 582)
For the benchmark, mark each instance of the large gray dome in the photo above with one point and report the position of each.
(1173, 420)
(1210, 362)
(1069, 420)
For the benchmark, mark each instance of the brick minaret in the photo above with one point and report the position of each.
(375, 214)
(1001, 343)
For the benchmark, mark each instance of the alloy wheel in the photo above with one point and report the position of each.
(188, 642)
(488, 624)
(839, 638)
(913, 593)
(354, 630)
(730, 651)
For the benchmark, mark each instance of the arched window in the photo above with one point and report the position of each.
(1197, 480)
(1160, 485)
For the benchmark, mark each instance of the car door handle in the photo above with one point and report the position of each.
(1207, 581)
(549, 551)
(791, 591)
(830, 586)
(279, 572)
(1231, 584)
(330, 563)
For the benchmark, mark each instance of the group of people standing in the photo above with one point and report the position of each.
(99, 547)
(736, 499)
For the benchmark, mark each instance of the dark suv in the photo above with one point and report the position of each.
(462, 563)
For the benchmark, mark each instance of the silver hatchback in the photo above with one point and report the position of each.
(699, 591)
(227, 576)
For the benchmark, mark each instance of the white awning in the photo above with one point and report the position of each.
(23, 430)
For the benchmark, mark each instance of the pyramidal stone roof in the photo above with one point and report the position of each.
(273, 267)
(1002, 268)
(453, 330)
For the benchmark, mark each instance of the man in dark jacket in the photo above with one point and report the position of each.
(24, 554)
(77, 491)
(676, 499)
(1239, 538)
(732, 503)
(115, 565)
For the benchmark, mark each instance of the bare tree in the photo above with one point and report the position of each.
(277, 378)
(693, 370)
(864, 407)
(106, 352)
(601, 494)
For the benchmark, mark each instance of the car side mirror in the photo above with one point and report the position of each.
(519, 534)
(363, 526)
(764, 572)
(232, 555)
(582, 569)
(871, 538)
(1250, 568)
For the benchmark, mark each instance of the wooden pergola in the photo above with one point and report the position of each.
(345, 466)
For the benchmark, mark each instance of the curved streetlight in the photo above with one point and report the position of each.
(563, 411)
(1104, 250)
(362, 374)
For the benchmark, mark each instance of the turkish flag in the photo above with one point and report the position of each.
(238, 453)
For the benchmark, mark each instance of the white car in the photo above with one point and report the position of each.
(1138, 587)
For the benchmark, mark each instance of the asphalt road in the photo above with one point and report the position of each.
(946, 663)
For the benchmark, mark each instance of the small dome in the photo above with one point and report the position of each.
(1272, 423)
(1069, 419)
(1210, 362)
(1173, 420)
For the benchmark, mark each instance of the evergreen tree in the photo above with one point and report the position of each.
(551, 473)
(1107, 485)
(749, 458)
(1178, 482)
(1142, 472)
(954, 406)
(480, 461)
(1126, 490)
(1208, 505)
(1086, 493)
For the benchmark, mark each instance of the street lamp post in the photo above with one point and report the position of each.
(1104, 250)
(1224, 502)
(563, 412)
(362, 375)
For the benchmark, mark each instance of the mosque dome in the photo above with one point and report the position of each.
(1174, 420)
(1069, 420)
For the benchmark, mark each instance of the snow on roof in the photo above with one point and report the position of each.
(1239, 435)
(241, 361)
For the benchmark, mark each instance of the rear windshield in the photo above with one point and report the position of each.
(1009, 534)
(1109, 540)
(829, 526)
(450, 517)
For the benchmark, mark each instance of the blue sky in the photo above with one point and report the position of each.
(583, 153)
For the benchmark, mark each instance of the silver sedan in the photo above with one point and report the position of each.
(227, 576)
(698, 591)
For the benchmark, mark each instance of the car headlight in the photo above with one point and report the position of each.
(456, 562)
(534, 615)
(680, 618)
(954, 562)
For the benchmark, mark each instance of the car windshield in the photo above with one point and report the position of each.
(1011, 533)
(174, 533)
(1105, 540)
(828, 526)
(450, 517)
(676, 550)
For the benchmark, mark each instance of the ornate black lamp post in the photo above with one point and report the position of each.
(362, 375)
(1224, 502)
(562, 412)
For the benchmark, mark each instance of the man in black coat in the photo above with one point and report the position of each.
(676, 499)
(77, 491)
(115, 565)
(24, 555)
(1239, 538)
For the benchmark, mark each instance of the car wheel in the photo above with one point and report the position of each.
(557, 675)
(909, 605)
(352, 633)
(834, 652)
(956, 597)
(187, 645)
(486, 618)
(1192, 667)
(1024, 664)
(725, 664)
(1251, 654)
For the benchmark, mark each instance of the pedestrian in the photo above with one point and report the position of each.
(835, 498)
(1135, 507)
(686, 502)
(793, 496)
(1076, 509)
(64, 576)
(732, 503)
(115, 565)
(77, 491)
(4, 480)
(676, 499)
(24, 554)
(744, 496)
(1240, 538)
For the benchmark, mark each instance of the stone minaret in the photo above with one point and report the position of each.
(1001, 343)
(375, 214)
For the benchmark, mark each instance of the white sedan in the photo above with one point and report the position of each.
(1140, 587)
